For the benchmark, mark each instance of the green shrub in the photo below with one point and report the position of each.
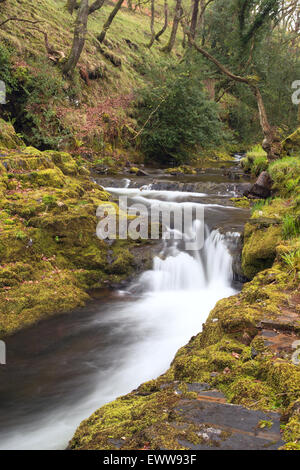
(176, 116)
(6, 69)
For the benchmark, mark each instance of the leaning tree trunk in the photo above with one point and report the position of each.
(163, 29)
(96, 6)
(109, 21)
(176, 21)
(271, 143)
(79, 37)
(152, 24)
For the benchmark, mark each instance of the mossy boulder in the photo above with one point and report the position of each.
(49, 251)
(259, 249)
(64, 161)
(292, 143)
(52, 177)
(8, 137)
(182, 170)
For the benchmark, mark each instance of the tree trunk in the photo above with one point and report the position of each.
(163, 29)
(71, 4)
(271, 143)
(152, 24)
(109, 21)
(79, 37)
(129, 3)
(177, 17)
(96, 6)
(194, 19)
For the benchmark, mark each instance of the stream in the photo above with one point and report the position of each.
(61, 370)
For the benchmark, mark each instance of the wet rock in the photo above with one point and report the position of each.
(262, 188)
(142, 173)
(100, 169)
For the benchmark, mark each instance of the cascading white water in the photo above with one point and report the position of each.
(186, 272)
(174, 300)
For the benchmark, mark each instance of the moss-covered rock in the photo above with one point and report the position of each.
(49, 251)
(8, 137)
(52, 177)
(259, 249)
(292, 143)
(228, 355)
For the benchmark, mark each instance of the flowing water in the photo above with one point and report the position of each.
(66, 367)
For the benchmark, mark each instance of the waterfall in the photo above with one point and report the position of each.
(114, 348)
(210, 267)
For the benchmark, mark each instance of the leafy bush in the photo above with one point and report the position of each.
(6, 70)
(33, 93)
(176, 116)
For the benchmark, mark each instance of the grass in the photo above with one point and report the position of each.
(286, 175)
(59, 24)
(290, 226)
(256, 160)
(259, 205)
(44, 126)
(257, 152)
(292, 260)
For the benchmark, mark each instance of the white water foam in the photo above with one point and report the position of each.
(177, 295)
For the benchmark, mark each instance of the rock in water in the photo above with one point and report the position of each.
(262, 188)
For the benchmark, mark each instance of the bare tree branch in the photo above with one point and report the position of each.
(15, 18)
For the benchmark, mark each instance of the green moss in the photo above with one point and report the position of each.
(259, 249)
(241, 202)
(8, 137)
(286, 176)
(182, 170)
(247, 391)
(292, 430)
(64, 161)
(50, 177)
(292, 143)
(49, 250)
(256, 160)
(133, 419)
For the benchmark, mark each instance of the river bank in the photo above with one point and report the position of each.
(245, 356)
(245, 362)
(108, 346)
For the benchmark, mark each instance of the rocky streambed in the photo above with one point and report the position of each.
(230, 387)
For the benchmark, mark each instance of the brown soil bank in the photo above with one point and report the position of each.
(236, 385)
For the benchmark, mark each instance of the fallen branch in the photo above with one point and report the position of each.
(15, 18)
